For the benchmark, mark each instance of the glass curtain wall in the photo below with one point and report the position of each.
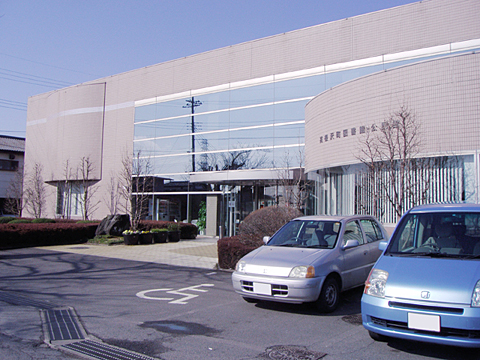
(241, 127)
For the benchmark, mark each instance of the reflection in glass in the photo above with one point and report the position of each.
(253, 116)
(291, 111)
(259, 94)
(299, 88)
(144, 113)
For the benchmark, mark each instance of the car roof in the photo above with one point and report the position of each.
(460, 207)
(333, 217)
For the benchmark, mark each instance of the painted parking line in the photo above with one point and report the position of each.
(181, 292)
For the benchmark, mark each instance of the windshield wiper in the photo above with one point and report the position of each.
(468, 257)
(400, 254)
(435, 254)
(317, 246)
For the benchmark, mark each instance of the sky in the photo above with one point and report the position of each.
(51, 44)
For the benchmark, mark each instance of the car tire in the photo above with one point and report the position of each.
(329, 296)
(377, 337)
(250, 300)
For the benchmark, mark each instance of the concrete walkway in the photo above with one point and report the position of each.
(200, 253)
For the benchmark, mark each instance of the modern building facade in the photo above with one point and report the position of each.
(234, 126)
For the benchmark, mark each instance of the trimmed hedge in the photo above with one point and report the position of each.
(20, 221)
(6, 219)
(260, 223)
(232, 249)
(44, 234)
(43, 221)
(187, 230)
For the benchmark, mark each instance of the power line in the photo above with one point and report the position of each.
(26, 80)
(52, 66)
(32, 77)
(11, 104)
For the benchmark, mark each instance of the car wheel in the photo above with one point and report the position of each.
(377, 337)
(250, 300)
(329, 296)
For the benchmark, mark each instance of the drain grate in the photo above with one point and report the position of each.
(102, 351)
(62, 325)
(290, 352)
(15, 299)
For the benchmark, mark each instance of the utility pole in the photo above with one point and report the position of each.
(192, 103)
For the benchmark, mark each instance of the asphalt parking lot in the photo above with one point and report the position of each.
(152, 310)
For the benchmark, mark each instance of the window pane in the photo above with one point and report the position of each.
(298, 88)
(147, 112)
(173, 108)
(353, 232)
(249, 117)
(252, 95)
(212, 102)
(371, 230)
(293, 111)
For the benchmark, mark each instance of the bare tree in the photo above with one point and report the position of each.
(113, 194)
(394, 174)
(86, 169)
(35, 191)
(293, 181)
(14, 201)
(135, 186)
(66, 189)
(232, 160)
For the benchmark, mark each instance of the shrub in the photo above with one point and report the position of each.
(43, 221)
(202, 216)
(266, 221)
(187, 230)
(173, 226)
(28, 234)
(20, 221)
(6, 219)
(232, 249)
(260, 223)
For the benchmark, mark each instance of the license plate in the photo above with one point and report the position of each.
(262, 289)
(424, 322)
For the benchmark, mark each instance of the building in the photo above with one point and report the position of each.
(237, 124)
(12, 151)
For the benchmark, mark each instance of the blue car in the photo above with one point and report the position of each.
(426, 284)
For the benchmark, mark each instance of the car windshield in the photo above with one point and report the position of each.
(446, 234)
(307, 233)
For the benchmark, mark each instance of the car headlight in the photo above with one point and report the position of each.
(375, 284)
(476, 295)
(240, 267)
(302, 272)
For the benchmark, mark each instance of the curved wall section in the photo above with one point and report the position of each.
(443, 93)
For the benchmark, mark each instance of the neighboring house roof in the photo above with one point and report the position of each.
(11, 143)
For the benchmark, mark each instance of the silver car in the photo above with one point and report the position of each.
(311, 259)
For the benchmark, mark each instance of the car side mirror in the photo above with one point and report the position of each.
(382, 245)
(350, 244)
(266, 239)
